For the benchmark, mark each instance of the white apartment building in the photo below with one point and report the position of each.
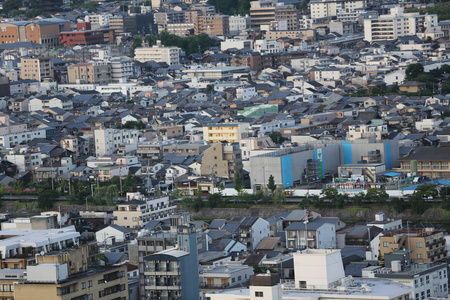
(246, 92)
(136, 213)
(24, 160)
(366, 131)
(108, 140)
(36, 104)
(98, 20)
(331, 8)
(398, 24)
(239, 23)
(121, 69)
(428, 281)
(158, 53)
(8, 140)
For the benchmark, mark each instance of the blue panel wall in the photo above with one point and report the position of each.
(286, 171)
(388, 155)
(347, 149)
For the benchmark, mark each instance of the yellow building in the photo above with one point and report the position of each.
(426, 244)
(231, 132)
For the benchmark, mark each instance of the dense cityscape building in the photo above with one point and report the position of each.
(224, 149)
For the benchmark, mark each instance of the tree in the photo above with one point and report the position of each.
(103, 257)
(238, 185)
(214, 200)
(358, 199)
(398, 204)
(271, 184)
(137, 42)
(279, 196)
(277, 138)
(413, 70)
(418, 205)
(427, 191)
(377, 195)
(150, 39)
(46, 199)
(329, 193)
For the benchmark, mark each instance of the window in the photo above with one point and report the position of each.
(135, 219)
(419, 245)
(90, 283)
(420, 256)
(259, 294)
(385, 244)
(83, 285)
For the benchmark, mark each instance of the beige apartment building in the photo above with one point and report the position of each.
(222, 160)
(36, 68)
(92, 72)
(427, 245)
(50, 282)
(212, 25)
(158, 53)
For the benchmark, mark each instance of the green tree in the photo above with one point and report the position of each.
(358, 199)
(150, 39)
(279, 197)
(137, 42)
(329, 193)
(377, 195)
(214, 200)
(103, 257)
(413, 70)
(418, 204)
(277, 138)
(271, 184)
(398, 204)
(238, 185)
(46, 199)
(427, 191)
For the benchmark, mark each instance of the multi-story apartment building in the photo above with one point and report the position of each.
(121, 69)
(366, 132)
(222, 160)
(288, 14)
(238, 23)
(108, 140)
(136, 213)
(331, 8)
(426, 245)
(262, 12)
(265, 12)
(122, 24)
(36, 68)
(252, 230)
(429, 161)
(231, 132)
(212, 25)
(427, 280)
(51, 281)
(26, 159)
(173, 273)
(92, 72)
(158, 53)
(98, 20)
(319, 233)
(398, 24)
(168, 16)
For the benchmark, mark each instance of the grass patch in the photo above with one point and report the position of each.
(354, 210)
